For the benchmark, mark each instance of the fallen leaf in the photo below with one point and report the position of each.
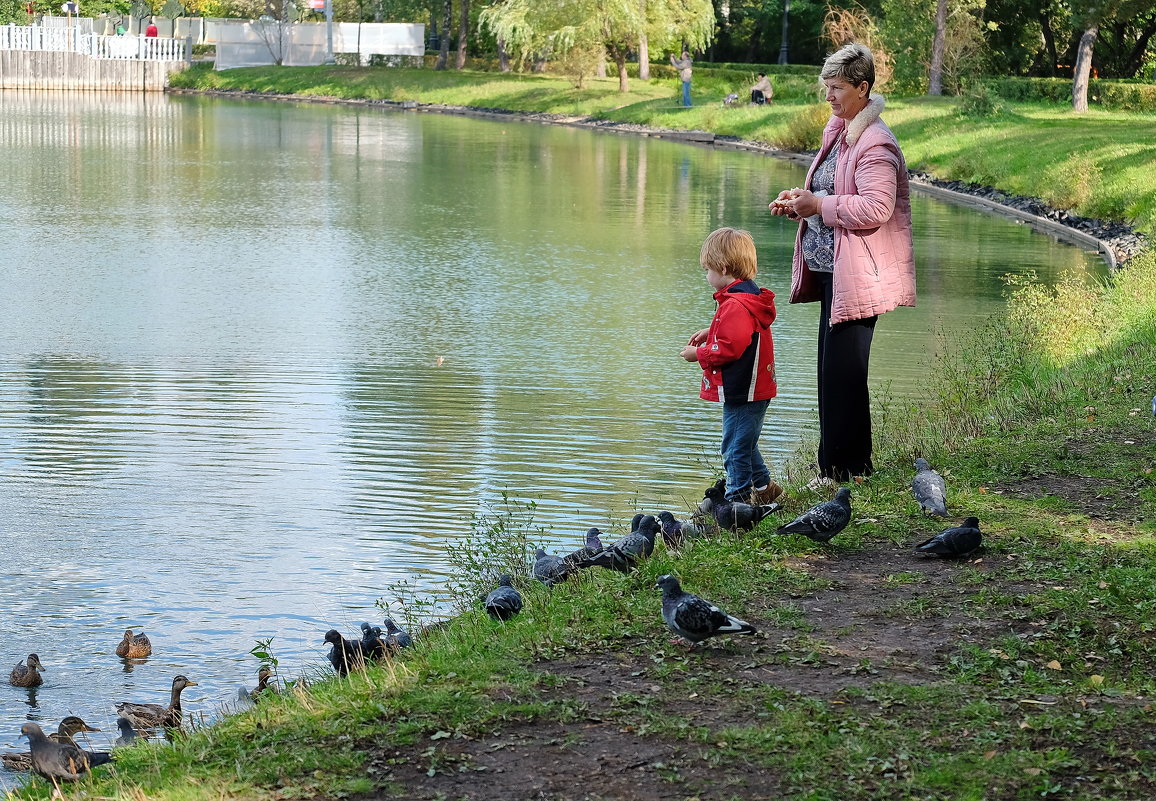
(1054, 665)
(439, 735)
(1129, 442)
(1103, 585)
(983, 490)
(1033, 771)
(989, 755)
(1025, 725)
(1096, 679)
(1038, 703)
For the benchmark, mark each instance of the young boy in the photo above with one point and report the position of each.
(738, 360)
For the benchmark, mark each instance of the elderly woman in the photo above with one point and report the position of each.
(853, 254)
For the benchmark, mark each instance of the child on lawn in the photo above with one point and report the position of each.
(738, 360)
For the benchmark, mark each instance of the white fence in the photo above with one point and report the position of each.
(71, 40)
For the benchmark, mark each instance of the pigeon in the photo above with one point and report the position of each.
(550, 569)
(54, 760)
(930, 489)
(26, 673)
(625, 554)
(592, 547)
(345, 655)
(504, 601)
(675, 532)
(958, 541)
(373, 646)
(822, 521)
(128, 734)
(693, 618)
(735, 515)
(64, 733)
(705, 505)
(395, 636)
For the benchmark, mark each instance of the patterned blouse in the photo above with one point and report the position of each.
(819, 239)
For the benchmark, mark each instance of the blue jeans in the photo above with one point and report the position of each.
(742, 425)
(686, 93)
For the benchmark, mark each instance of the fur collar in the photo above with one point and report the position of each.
(868, 115)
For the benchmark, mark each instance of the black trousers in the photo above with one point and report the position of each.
(844, 402)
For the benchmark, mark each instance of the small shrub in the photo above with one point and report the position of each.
(979, 101)
(805, 129)
(1072, 182)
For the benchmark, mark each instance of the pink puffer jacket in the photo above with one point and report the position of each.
(871, 214)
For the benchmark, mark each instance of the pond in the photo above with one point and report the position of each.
(261, 361)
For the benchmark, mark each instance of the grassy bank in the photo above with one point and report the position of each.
(1098, 164)
(1023, 673)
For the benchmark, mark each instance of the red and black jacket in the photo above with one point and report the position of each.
(738, 357)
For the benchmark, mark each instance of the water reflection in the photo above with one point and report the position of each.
(222, 411)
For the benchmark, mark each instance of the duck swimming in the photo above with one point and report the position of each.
(150, 716)
(134, 646)
(25, 673)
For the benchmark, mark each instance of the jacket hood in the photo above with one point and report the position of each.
(759, 302)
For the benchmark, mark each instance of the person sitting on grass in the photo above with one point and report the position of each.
(762, 92)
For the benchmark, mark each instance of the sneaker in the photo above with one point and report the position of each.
(760, 496)
(821, 483)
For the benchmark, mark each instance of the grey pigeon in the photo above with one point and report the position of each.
(64, 734)
(128, 734)
(374, 644)
(625, 554)
(930, 489)
(675, 532)
(958, 541)
(550, 569)
(593, 547)
(396, 636)
(822, 521)
(54, 760)
(693, 618)
(734, 515)
(504, 601)
(345, 655)
(705, 505)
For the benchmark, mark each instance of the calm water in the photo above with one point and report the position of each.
(258, 361)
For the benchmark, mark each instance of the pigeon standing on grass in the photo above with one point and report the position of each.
(54, 760)
(373, 645)
(958, 541)
(693, 618)
(734, 515)
(345, 655)
(675, 532)
(930, 489)
(395, 637)
(706, 504)
(504, 601)
(822, 521)
(625, 554)
(550, 569)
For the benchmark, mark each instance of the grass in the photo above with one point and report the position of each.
(1100, 164)
(1043, 695)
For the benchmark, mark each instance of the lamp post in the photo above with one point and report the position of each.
(786, 24)
(329, 32)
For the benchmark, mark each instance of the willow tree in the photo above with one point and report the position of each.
(532, 28)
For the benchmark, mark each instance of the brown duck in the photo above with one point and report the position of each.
(26, 674)
(150, 716)
(134, 646)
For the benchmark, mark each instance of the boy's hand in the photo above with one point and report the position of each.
(690, 353)
(698, 337)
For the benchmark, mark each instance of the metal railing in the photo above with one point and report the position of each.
(70, 40)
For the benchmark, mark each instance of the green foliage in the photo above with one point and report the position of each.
(980, 101)
(805, 129)
(1116, 95)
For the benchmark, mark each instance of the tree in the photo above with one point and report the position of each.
(444, 41)
(1091, 17)
(935, 76)
(1083, 68)
(463, 32)
(531, 27)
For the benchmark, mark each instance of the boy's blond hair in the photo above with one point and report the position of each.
(730, 251)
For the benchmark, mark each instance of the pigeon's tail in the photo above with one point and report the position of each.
(610, 558)
(736, 626)
(766, 510)
(935, 545)
(796, 527)
(935, 506)
(98, 758)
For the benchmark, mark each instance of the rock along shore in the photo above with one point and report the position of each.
(1117, 242)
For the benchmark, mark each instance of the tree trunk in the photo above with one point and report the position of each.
(618, 53)
(463, 32)
(644, 58)
(1049, 43)
(1136, 58)
(935, 84)
(503, 56)
(600, 70)
(1083, 68)
(444, 42)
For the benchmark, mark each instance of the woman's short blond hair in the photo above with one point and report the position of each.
(730, 251)
(852, 63)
